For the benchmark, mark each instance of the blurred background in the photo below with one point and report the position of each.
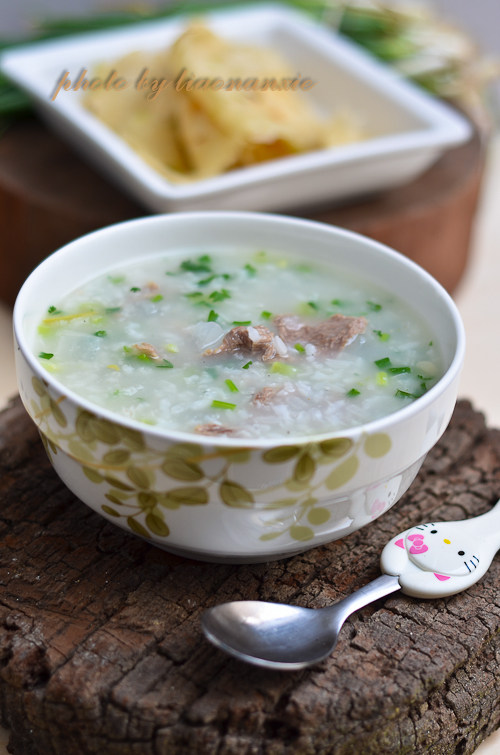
(476, 292)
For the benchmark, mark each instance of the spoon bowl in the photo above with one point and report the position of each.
(281, 636)
(270, 634)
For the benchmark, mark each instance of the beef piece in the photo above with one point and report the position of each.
(265, 395)
(328, 335)
(257, 340)
(210, 428)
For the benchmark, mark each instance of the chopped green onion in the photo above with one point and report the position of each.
(206, 281)
(219, 295)
(383, 364)
(247, 365)
(373, 306)
(156, 298)
(222, 404)
(100, 333)
(381, 378)
(172, 348)
(299, 348)
(231, 386)
(283, 369)
(383, 336)
(431, 343)
(112, 310)
(353, 392)
(313, 305)
(266, 315)
(212, 316)
(301, 268)
(45, 355)
(193, 295)
(337, 302)
(143, 357)
(202, 264)
(250, 270)
(127, 349)
(241, 322)
(135, 289)
(166, 364)
(404, 394)
(399, 370)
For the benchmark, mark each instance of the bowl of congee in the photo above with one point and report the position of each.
(236, 386)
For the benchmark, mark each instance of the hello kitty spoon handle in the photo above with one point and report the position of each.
(442, 558)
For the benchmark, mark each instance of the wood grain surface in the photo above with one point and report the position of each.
(101, 649)
(49, 196)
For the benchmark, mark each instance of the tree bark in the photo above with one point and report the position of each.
(101, 649)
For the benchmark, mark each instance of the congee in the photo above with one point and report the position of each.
(247, 345)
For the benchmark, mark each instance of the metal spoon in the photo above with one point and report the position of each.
(431, 560)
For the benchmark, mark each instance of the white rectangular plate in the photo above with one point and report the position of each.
(410, 129)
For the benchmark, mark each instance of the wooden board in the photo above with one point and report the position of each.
(49, 196)
(101, 649)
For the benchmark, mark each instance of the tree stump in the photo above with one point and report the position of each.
(50, 196)
(101, 649)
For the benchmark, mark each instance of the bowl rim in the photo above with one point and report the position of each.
(382, 424)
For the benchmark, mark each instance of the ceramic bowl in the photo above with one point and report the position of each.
(220, 498)
(408, 129)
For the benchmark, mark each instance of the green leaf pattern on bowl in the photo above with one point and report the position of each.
(143, 484)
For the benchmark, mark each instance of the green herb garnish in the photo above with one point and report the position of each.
(299, 348)
(247, 365)
(251, 270)
(373, 306)
(231, 386)
(206, 281)
(53, 310)
(353, 392)
(135, 289)
(216, 296)
(112, 310)
(399, 370)
(303, 268)
(222, 404)
(266, 315)
(100, 333)
(383, 364)
(212, 316)
(193, 295)
(156, 298)
(383, 336)
(202, 264)
(337, 302)
(45, 355)
(313, 305)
